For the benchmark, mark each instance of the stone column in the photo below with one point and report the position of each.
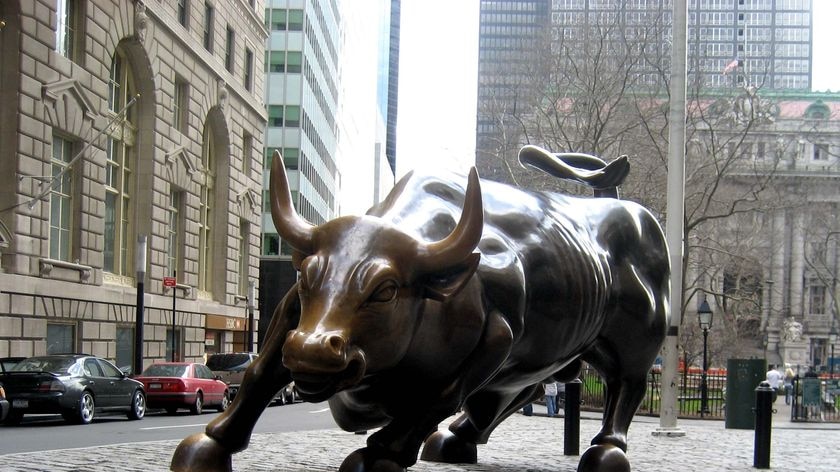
(797, 265)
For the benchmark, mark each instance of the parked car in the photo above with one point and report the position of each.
(6, 363)
(287, 395)
(78, 386)
(173, 385)
(230, 367)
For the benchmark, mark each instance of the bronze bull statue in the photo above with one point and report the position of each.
(444, 299)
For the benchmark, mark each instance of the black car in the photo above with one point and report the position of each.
(75, 385)
(6, 363)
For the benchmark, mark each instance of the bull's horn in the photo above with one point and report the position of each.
(291, 227)
(464, 238)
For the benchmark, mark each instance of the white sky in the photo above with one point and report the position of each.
(438, 64)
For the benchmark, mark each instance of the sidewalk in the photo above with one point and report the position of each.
(520, 444)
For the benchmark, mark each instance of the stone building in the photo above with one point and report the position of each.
(121, 120)
(788, 251)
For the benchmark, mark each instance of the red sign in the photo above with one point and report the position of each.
(169, 281)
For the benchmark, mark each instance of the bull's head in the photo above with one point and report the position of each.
(362, 284)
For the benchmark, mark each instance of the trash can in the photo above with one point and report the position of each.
(742, 378)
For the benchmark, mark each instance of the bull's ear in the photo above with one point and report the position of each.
(441, 286)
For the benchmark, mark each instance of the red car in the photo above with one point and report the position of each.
(173, 385)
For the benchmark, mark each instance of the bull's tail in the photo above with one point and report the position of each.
(589, 170)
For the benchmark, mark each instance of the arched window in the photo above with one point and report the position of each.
(120, 162)
(205, 212)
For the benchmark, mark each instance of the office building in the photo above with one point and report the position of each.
(125, 119)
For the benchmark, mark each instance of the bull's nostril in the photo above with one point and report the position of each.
(336, 344)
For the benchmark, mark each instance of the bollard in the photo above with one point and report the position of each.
(571, 419)
(763, 425)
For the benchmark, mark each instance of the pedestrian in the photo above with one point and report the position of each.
(550, 397)
(788, 385)
(774, 378)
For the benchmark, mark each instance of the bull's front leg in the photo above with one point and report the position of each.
(230, 432)
(394, 448)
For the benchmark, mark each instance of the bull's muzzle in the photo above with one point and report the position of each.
(322, 363)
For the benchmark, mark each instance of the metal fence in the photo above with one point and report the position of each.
(815, 399)
(689, 397)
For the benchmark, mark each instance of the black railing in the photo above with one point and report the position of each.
(689, 397)
(815, 399)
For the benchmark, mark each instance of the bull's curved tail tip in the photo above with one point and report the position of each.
(604, 178)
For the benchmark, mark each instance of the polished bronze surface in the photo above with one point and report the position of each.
(449, 297)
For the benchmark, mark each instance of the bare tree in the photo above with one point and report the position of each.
(602, 89)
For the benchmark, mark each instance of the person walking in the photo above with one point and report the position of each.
(550, 397)
(774, 378)
(788, 382)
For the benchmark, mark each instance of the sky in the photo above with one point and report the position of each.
(437, 87)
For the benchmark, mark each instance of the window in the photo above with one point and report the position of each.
(295, 20)
(275, 115)
(67, 34)
(61, 338)
(816, 299)
(125, 347)
(205, 214)
(180, 103)
(291, 116)
(247, 152)
(61, 200)
(275, 61)
(119, 155)
(294, 59)
(229, 45)
(173, 338)
(275, 19)
(208, 27)
(174, 231)
(248, 77)
(271, 244)
(244, 255)
(183, 12)
(820, 152)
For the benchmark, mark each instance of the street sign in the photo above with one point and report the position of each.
(169, 281)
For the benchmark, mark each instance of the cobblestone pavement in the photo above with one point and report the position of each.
(520, 444)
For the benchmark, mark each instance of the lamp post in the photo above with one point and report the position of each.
(832, 338)
(704, 317)
(140, 265)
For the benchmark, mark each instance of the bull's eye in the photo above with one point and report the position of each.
(386, 292)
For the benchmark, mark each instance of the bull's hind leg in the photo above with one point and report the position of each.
(230, 432)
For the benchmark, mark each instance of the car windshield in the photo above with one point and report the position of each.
(165, 370)
(228, 361)
(55, 365)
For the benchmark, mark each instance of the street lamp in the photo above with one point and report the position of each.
(704, 317)
(832, 338)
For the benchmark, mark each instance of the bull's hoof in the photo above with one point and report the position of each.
(604, 439)
(367, 460)
(200, 452)
(444, 446)
(603, 458)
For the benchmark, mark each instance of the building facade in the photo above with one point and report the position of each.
(788, 252)
(332, 68)
(731, 43)
(132, 120)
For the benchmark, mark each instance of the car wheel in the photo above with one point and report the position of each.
(171, 410)
(138, 406)
(225, 402)
(85, 409)
(198, 405)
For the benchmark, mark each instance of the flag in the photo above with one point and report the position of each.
(730, 67)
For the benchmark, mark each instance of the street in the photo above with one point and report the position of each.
(46, 432)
